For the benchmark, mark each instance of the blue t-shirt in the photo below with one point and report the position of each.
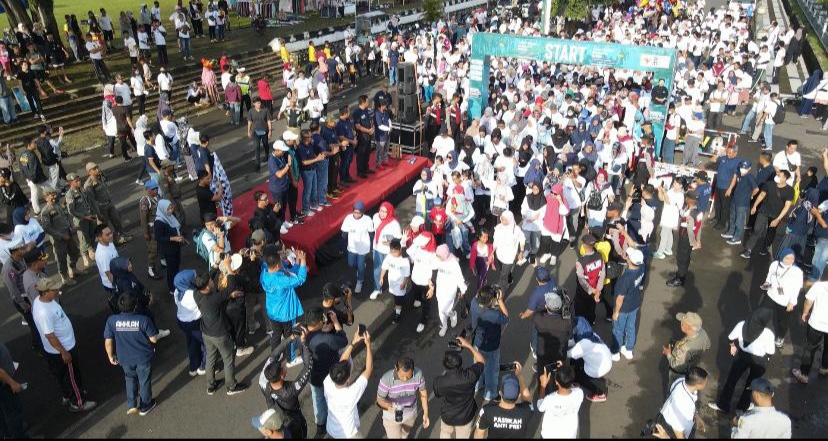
(630, 284)
(727, 169)
(489, 323)
(274, 164)
(537, 298)
(743, 192)
(149, 153)
(364, 117)
(345, 128)
(305, 152)
(704, 191)
(382, 119)
(393, 58)
(329, 136)
(765, 175)
(131, 333)
(320, 144)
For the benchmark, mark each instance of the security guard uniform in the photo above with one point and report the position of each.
(172, 192)
(84, 215)
(365, 118)
(57, 224)
(147, 206)
(762, 422)
(98, 191)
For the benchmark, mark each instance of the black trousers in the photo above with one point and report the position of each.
(293, 199)
(11, 414)
(742, 362)
(721, 208)
(173, 264)
(142, 104)
(261, 149)
(333, 173)
(198, 27)
(419, 293)
(584, 304)
(363, 152)
(237, 316)
(782, 318)
(281, 330)
(68, 376)
(813, 340)
(36, 342)
(505, 276)
(596, 386)
(162, 54)
(683, 253)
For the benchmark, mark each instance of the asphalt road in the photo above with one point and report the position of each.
(722, 287)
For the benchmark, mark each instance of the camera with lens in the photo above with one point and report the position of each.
(508, 367)
(648, 429)
(464, 333)
(297, 331)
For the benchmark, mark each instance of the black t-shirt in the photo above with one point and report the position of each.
(456, 391)
(121, 116)
(553, 334)
(324, 348)
(205, 201)
(505, 424)
(213, 316)
(775, 198)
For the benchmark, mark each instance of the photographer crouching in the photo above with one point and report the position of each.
(456, 390)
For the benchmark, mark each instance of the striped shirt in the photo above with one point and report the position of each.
(401, 393)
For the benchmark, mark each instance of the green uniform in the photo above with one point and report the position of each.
(98, 192)
(81, 207)
(58, 225)
(146, 218)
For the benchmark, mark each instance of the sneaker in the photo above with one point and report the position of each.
(193, 373)
(726, 236)
(374, 295)
(763, 252)
(358, 287)
(283, 230)
(668, 253)
(716, 407)
(149, 408)
(152, 275)
(163, 262)
(745, 254)
(442, 332)
(201, 372)
(596, 398)
(162, 333)
(325, 204)
(132, 411)
(237, 389)
(318, 208)
(296, 362)
(331, 196)
(823, 371)
(24, 322)
(417, 303)
(453, 319)
(659, 256)
(779, 342)
(85, 407)
(420, 328)
(286, 224)
(138, 182)
(734, 242)
(545, 258)
(244, 352)
(309, 214)
(553, 261)
(800, 376)
(252, 330)
(212, 388)
(616, 357)
(627, 354)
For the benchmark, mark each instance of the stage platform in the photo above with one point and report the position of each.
(326, 224)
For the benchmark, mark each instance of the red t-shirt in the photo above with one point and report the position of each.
(438, 220)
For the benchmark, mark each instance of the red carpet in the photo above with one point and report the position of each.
(326, 224)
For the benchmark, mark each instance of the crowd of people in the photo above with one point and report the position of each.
(563, 158)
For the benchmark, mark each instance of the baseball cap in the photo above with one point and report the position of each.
(511, 387)
(236, 261)
(588, 239)
(72, 177)
(258, 236)
(34, 255)
(542, 274)
(151, 185)
(91, 166)
(48, 283)
(636, 256)
(271, 419)
(553, 301)
(417, 221)
(49, 190)
(691, 318)
(762, 386)
(288, 135)
(281, 146)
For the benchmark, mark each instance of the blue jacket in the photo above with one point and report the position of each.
(281, 301)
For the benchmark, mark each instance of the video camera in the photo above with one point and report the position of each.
(464, 333)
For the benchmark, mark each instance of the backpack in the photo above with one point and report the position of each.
(201, 249)
(779, 115)
(596, 200)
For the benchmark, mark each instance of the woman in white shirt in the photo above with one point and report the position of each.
(508, 242)
(532, 212)
(386, 228)
(449, 283)
(600, 187)
(138, 89)
(358, 229)
(188, 317)
(673, 203)
(27, 227)
(314, 107)
(501, 195)
(782, 286)
(593, 360)
(423, 260)
(752, 344)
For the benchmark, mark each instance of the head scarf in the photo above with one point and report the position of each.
(583, 331)
(509, 216)
(384, 222)
(124, 280)
(535, 201)
(184, 281)
(162, 215)
(534, 174)
(758, 321)
(425, 240)
(19, 216)
(553, 221)
(454, 159)
(443, 252)
(428, 175)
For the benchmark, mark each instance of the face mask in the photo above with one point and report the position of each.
(744, 171)
(778, 180)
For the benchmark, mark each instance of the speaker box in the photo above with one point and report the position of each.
(409, 137)
(406, 79)
(407, 108)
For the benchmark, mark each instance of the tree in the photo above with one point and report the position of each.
(433, 10)
(45, 11)
(16, 13)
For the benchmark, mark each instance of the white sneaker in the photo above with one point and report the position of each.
(616, 357)
(417, 303)
(453, 319)
(627, 354)
(545, 258)
(23, 322)
(162, 333)
(442, 332)
(358, 287)
(283, 230)
(420, 328)
(243, 352)
(296, 362)
(374, 295)
(201, 372)
(553, 260)
(138, 182)
(286, 224)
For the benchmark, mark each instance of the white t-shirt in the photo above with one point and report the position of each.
(423, 264)
(187, 309)
(507, 240)
(130, 44)
(571, 192)
(159, 35)
(105, 22)
(389, 232)
(122, 90)
(50, 319)
(164, 81)
(769, 107)
(597, 357)
(143, 40)
(819, 313)
(397, 270)
(137, 84)
(784, 161)
(91, 46)
(343, 415)
(560, 414)
(679, 411)
(103, 257)
(359, 230)
(762, 346)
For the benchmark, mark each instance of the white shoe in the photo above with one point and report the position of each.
(417, 304)
(627, 354)
(374, 295)
(283, 230)
(453, 319)
(442, 332)
(358, 287)
(668, 253)
(286, 224)
(24, 322)
(138, 182)
(553, 261)
(420, 328)
(163, 262)
(201, 372)
(179, 178)
(243, 352)
(162, 333)
(545, 258)
(616, 357)
(296, 362)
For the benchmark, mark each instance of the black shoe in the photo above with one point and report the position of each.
(675, 282)
(763, 252)
(237, 389)
(395, 319)
(211, 389)
(321, 431)
(344, 184)
(149, 408)
(718, 227)
(297, 221)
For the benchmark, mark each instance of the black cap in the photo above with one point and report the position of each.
(589, 239)
(34, 255)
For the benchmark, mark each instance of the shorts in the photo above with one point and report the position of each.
(40, 75)
(57, 66)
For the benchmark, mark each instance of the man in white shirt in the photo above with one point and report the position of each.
(766, 111)
(159, 35)
(815, 314)
(342, 399)
(105, 22)
(679, 411)
(303, 86)
(96, 56)
(443, 144)
(760, 96)
(165, 81)
(717, 101)
(358, 227)
(131, 48)
(58, 338)
(790, 160)
(104, 253)
(778, 62)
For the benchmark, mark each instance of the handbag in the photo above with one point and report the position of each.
(614, 269)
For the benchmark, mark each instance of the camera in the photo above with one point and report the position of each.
(648, 429)
(465, 333)
(508, 367)
(297, 331)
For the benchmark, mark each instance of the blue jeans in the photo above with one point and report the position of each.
(235, 113)
(322, 181)
(377, 261)
(623, 331)
(309, 190)
(490, 380)
(464, 231)
(7, 108)
(357, 261)
(820, 259)
(738, 216)
(767, 132)
(138, 382)
(185, 46)
(320, 406)
(747, 124)
(668, 150)
(175, 154)
(392, 76)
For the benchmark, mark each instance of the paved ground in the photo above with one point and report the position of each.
(722, 287)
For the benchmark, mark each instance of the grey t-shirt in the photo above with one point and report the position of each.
(259, 119)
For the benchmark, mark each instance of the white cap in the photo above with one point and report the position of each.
(636, 256)
(289, 136)
(281, 146)
(241, 69)
(236, 261)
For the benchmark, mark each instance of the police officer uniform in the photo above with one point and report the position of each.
(168, 187)
(98, 191)
(689, 231)
(590, 275)
(56, 222)
(84, 215)
(147, 208)
(31, 169)
(365, 118)
(763, 422)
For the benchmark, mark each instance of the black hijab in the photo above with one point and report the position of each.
(755, 325)
(535, 201)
